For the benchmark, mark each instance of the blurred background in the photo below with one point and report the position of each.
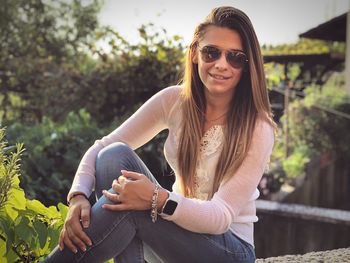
(73, 70)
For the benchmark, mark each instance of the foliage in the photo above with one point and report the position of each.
(41, 44)
(128, 75)
(54, 151)
(9, 167)
(68, 62)
(294, 165)
(304, 46)
(28, 229)
(324, 129)
(305, 70)
(275, 74)
(56, 60)
(317, 124)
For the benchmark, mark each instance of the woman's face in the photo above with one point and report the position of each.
(219, 77)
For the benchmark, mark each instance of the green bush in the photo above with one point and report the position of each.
(317, 125)
(28, 229)
(294, 165)
(53, 153)
(317, 122)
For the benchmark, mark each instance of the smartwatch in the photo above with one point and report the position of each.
(169, 206)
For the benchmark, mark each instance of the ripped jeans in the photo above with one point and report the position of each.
(130, 236)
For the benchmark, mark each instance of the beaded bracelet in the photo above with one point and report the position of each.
(154, 204)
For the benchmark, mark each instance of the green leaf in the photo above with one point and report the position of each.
(63, 210)
(7, 229)
(11, 256)
(16, 200)
(3, 251)
(24, 231)
(54, 234)
(54, 212)
(37, 207)
(12, 213)
(5, 221)
(41, 229)
(28, 213)
(161, 54)
(10, 236)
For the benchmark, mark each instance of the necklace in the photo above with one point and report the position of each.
(212, 120)
(217, 118)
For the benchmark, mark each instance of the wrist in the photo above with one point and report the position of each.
(162, 197)
(76, 196)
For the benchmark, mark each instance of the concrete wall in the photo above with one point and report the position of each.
(341, 255)
(285, 229)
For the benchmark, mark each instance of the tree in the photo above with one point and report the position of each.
(51, 62)
(129, 74)
(40, 45)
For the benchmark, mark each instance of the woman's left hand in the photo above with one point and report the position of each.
(133, 192)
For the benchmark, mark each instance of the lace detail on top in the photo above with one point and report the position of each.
(211, 140)
(211, 143)
(203, 183)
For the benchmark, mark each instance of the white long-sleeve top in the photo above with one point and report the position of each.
(232, 206)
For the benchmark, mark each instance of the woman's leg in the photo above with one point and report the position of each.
(128, 248)
(110, 162)
(111, 232)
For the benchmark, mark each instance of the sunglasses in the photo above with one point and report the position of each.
(236, 58)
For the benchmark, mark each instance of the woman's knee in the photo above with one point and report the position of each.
(114, 151)
(110, 160)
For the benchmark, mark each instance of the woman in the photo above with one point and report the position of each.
(221, 135)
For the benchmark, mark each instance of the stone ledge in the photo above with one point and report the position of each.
(341, 255)
(305, 212)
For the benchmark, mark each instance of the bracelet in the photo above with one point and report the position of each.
(74, 195)
(154, 204)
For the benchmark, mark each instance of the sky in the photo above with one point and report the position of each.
(275, 21)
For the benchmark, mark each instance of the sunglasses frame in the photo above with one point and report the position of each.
(227, 52)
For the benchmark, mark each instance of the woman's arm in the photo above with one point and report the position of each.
(215, 216)
(142, 126)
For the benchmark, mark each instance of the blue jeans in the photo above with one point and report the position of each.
(130, 236)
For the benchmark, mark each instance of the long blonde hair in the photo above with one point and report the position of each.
(249, 102)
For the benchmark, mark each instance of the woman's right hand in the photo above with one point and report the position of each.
(72, 234)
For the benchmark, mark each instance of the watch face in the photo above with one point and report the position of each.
(170, 207)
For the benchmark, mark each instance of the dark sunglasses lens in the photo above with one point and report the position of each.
(209, 54)
(237, 59)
